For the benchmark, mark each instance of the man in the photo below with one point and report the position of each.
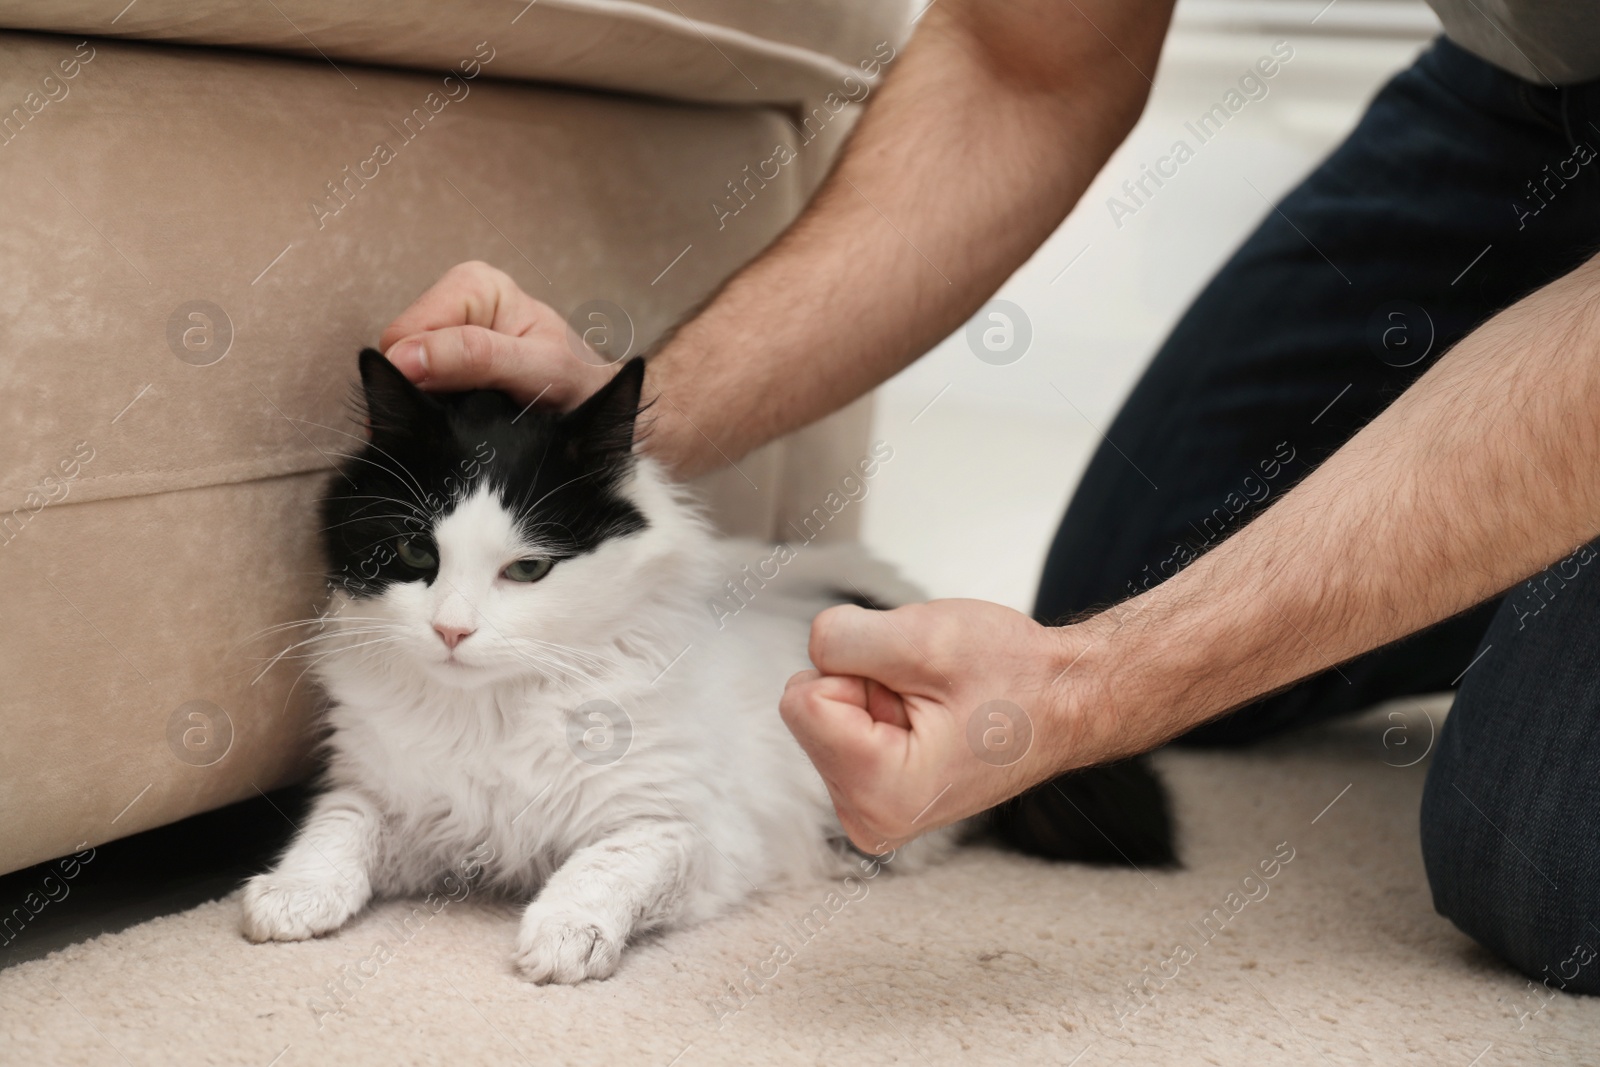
(1465, 207)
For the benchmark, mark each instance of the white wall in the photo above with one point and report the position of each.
(980, 477)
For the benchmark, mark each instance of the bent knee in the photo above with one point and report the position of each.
(1513, 876)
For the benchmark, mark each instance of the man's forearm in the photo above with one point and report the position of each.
(1483, 472)
(987, 130)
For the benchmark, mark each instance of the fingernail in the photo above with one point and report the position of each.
(411, 358)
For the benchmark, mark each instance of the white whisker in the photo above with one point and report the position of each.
(374, 447)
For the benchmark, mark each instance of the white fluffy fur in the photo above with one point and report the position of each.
(464, 761)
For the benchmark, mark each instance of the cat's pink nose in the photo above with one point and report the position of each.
(452, 635)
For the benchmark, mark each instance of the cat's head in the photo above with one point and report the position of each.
(474, 539)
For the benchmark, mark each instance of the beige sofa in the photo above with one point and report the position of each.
(209, 208)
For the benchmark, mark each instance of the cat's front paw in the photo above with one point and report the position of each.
(289, 908)
(565, 946)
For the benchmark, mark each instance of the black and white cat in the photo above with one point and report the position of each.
(527, 686)
(526, 678)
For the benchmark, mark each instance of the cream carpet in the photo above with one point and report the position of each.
(1337, 959)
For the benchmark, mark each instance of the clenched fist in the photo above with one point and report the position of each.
(924, 715)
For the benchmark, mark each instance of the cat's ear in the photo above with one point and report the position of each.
(393, 404)
(601, 428)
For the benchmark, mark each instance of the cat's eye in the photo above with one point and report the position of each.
(415, 554)
(528, 570)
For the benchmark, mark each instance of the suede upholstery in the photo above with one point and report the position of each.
(737, 51)
(197, 241)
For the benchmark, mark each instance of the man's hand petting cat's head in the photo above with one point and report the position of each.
(476, 329)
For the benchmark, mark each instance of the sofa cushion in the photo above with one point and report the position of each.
(714, 50)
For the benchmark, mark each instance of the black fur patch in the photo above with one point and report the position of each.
(1115, 814)
(557, 474)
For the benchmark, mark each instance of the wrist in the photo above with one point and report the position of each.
(1108, 699)
(1151, 668)
(1078, 729)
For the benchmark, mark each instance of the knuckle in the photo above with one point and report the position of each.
(824, 636)
(822, 624)
(885, 825)
(473, 268)
(478, 279)
(836, 619)
(477, 348)
(791, 704)
(792, 712)
(801, 700)
(933, 632)
(810, 701)
(863, 836)
(800, 681)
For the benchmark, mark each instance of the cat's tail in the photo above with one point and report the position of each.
(1118, 813)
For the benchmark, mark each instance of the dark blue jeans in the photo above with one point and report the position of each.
(1461, 190)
